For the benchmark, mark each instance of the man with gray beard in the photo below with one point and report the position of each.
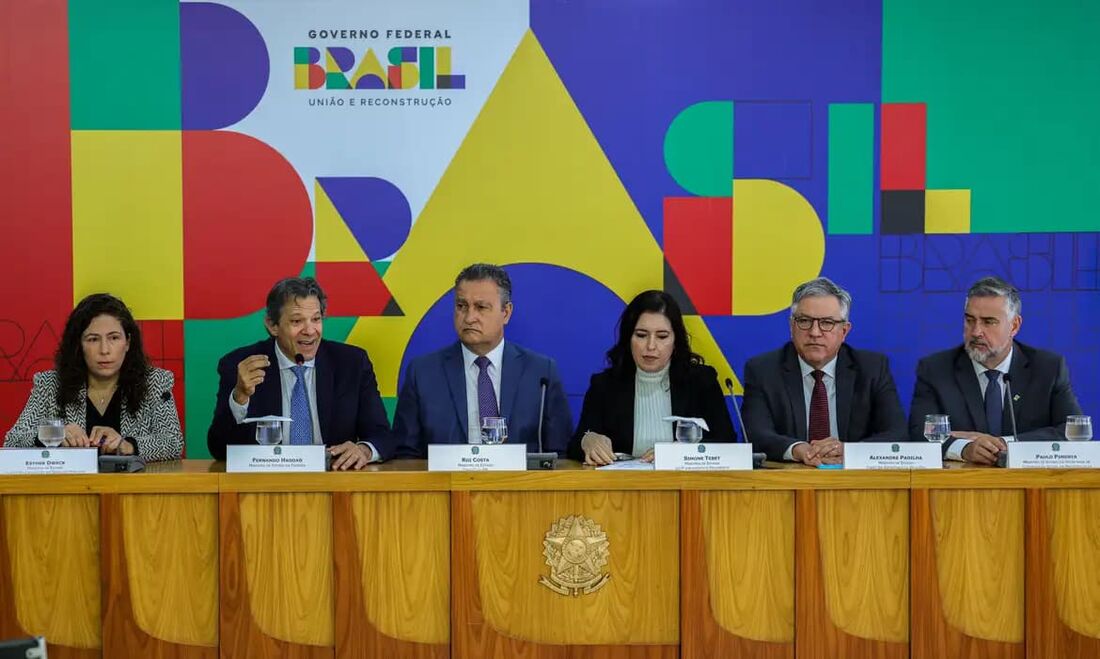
(968, 382)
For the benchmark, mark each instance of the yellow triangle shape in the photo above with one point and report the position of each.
(334, 240)
(529, 184)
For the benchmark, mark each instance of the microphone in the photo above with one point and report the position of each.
(1002, 457)
(541, 460)
(757, 458)
(299, 359)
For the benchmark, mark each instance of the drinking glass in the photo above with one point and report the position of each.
(494, 430)
(937, 427)
(269, 433)
(689, 432)
(1078, 428)
(51, 432)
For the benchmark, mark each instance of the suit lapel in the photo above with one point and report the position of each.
(792, 380)
(324, 381)
(511, 372)
(455, 372)
(971, 391)
(845, 387)
(1020, 371)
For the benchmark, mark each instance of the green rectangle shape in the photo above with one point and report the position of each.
(124, 64)
(851, 169)
(427, 68)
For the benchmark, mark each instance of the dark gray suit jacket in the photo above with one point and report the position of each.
(1042, 395)
(774, 408)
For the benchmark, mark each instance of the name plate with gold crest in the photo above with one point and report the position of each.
(1054, 455)
(577, 551)
(684, 456)
(477, 457)
(49, 461)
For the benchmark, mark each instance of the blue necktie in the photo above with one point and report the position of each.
(301, 426)
(994, 402)
(486, 396)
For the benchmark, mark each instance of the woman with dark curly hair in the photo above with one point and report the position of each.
(104, 388)
(652, 374)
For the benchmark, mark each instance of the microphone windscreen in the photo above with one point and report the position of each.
(299, 359)
(166, 396)
(729, 384)
(544, 381)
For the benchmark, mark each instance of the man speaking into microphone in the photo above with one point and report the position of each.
(446, 394)
(327, 388)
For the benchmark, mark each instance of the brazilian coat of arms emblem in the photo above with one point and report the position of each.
(576, 549)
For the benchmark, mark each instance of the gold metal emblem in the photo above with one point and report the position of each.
(576, 550)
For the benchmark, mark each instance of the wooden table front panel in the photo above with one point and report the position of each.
(737, 575)
(852, 574)
(1063, 574)
(500, 610)
(49, 571)
(160, 575)
(968, 574)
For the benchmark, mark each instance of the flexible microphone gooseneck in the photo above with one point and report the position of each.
(758, 459)
(541, 460)
(1002, 457)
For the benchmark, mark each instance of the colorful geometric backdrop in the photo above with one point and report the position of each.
(186, 155)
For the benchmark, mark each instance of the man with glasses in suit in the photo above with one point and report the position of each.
(804, 400)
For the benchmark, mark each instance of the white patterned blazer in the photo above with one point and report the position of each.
(155, 428)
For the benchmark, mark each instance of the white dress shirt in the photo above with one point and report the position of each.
(954, 451)
(829, 380)
(287, 379)
(473, 410)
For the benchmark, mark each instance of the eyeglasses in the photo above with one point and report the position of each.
(804, 323)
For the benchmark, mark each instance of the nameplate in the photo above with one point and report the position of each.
(477, 457)
(49, 461)
(682, 456)
(1054, 455)
(893, 455)
(259, 459)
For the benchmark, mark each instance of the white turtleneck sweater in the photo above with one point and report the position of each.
(652, 402)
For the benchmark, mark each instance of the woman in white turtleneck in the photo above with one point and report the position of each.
(652, 374)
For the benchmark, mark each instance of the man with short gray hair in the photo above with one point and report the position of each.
(803, 401)
(446, 395)
(970, 382)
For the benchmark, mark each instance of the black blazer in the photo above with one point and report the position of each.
(348, 404)
(774, 407)
(1042, 395)
(609, 407)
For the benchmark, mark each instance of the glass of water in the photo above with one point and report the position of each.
(51, 432)
(937, 427)
(689, 432)
(1078, 428)
(494, 430)
(269, 433)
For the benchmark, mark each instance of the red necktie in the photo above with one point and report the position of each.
(819, 409)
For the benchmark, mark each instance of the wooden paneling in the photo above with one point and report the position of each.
(53, 550)
(852, 575)
(737, 575)
(968, 574)
(496, 560)
(1063, 578)
(392, 561)
(287, 533)
(160, 572)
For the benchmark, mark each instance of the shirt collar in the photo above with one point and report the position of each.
(829, 368)
(494, 355)
(286, 363)
(980, 369)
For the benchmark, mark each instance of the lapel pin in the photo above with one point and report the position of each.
(1016, 398)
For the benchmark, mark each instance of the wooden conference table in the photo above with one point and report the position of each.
(188, 561)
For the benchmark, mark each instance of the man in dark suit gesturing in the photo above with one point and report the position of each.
(445, 394)
(967, 382)
(803, 401)
(327, 388)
